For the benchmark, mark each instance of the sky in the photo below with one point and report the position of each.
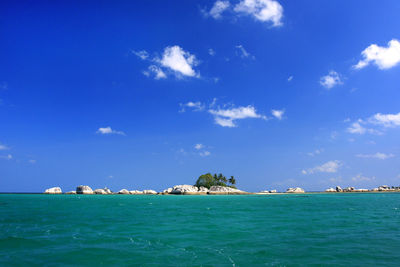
(151, 94)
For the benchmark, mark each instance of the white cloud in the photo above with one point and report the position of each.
(199, 146)
(360, 178)
(205, 153)
(195, 106)
(157, 71)
(315, 152)
(174, 60)
(261, 10)
(180, 61)
(108, 130)
(141, 54)
(211, 52)
(278, 113)
(243, 52)
(32, 161)
(377, 155)
(383, 57)
(218, 8)
(329, 167)
(227, 117)
(386, 120)
(4, 147)
(330, 80)
(8, 157)
(356, 128)
(290, 78)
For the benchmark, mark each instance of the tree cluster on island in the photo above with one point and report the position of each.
(207, 180)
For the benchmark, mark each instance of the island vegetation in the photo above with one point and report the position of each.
(208, 180)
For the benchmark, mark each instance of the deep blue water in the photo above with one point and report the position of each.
(160, 230)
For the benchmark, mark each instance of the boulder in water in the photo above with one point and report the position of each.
(71, 192)
(123, 192)
(295, 190)
(135, 192)
(100, 192)
(53, 190)
(330, 190)
(225, 190)
(84, 189)
(339, 189)
(149, 192)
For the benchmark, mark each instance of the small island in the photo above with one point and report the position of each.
(208, 184)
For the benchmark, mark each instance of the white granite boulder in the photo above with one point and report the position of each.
(295, 190)
(185, 188)
(330, 190)
(339, 189)
(149, 192)
(53, 190)
(203, 189)
(84, 189)
(224, 190)
(135, 192)
(71, 192)
(100, 192)
(123, 192)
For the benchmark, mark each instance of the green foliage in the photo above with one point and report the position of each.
(208, 180)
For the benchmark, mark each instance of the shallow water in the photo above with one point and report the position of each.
(253, 230)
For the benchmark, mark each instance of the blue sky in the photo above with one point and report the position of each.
(145, 95)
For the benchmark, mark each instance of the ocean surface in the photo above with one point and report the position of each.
(352, 229)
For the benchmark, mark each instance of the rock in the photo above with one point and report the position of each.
(167, 191)
(84, 189)
(339, 189)
(264, 192)
(203, 189)
(149, 192)
(225, 190)
(135, 192)
(360, 190)
(375, 189)
(123, 192)
(330, 190)
(108, 191)
(295, 190)
(273, 191)
(71, 192)
(183, 189)
(100, 192)
(53, 190)
(349, 189)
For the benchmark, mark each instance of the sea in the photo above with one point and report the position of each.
(349, 229)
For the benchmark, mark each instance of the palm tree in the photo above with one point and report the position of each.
(232, 180)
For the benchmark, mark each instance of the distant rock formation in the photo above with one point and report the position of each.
(149, 192)
(267, 191)
(100, 192)
(225, 190)
(136, 192)
(84, 189)
(339, 189)
(295, 190)
(53, 190)
(330, 190)
(184, 189)
(123, 192)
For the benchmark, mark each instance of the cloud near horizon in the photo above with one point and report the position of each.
(384, 121)
(378, 155)
(329, 167)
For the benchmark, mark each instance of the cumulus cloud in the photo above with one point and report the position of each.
(198, 146)
(315, 152)
(278, 113)
(329, 167)
(330, 80)
(174, 60)
(261, 10)
(211, 52)
(226, 117)
(243, 52)
(383, 57)
(205, 153)
(361, 178)
(377, 155)
(195, 106)
(383, 121)
(108, 130)
(141, 54)
(218, 8)
(290, 78)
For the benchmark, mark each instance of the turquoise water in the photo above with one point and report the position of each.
(277, 230)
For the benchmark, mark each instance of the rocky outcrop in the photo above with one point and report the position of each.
(53, 190)
(203, 189)
(184, 189)
(100, 192)
(108, 191)
(295, 190)
(339, 189)
(84, 189)
(225, 190)
(149, 192)
(123, 192)
(267, 191)
(330, 190)
(71, 192)
(273, 191)
(361, 190)
(136, 192)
